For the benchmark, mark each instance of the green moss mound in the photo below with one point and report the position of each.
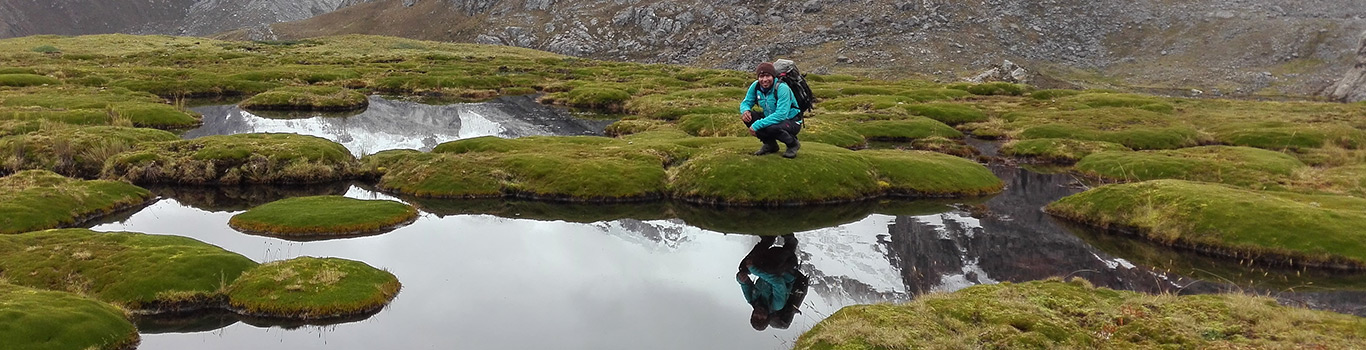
(905, 129)
(1229, 221)
(1279, 135)
(27, 80)
(312, 288)
(926, 95)
(931, 174)
(1058, 151)
(1240, 166)
(631, 126)
(39, 199)
(594, 97)
(726, 124)
(994, 88)
(948, 113)
(1134, 128)
(1051, 94)
(74, 151)
(729, 175)
(137, 271)
(832, 132)
(235, 159)
(47, 320)
(573, 168)
(1100, 100)
(316, 98)
(93, 106)
(323, 217)
(1053, 314)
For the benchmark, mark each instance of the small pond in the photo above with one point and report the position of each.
(505, 274)
(392, 124)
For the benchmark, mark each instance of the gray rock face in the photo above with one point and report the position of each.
(174, 17)
(1352, 87)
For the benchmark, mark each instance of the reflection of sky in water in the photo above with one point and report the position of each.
(388, 124)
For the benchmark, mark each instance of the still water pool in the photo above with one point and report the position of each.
(502, 274)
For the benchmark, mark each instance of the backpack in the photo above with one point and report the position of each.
(788, 73)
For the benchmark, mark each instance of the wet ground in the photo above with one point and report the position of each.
(495, 274)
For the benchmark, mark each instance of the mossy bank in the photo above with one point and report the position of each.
(38, 199)
(35, 319)
(1265, 226)
(1074, 315)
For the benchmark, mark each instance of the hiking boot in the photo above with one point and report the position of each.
(766, 149)
(792, 149)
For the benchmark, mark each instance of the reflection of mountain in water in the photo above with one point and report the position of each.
(388, 124)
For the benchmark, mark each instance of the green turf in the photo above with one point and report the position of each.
(1074, 315)
(312, 288)
(38, 199)
(1276, 227)
(33, 319)
(323, 216)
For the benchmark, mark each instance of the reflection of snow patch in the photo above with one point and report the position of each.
(1112, 264)
(965, 227)
(855, 251)
(473, 124)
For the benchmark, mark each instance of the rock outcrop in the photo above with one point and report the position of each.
(1352, 87)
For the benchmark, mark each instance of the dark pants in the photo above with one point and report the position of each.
(785, 131)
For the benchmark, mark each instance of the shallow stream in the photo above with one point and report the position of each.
(496, 274)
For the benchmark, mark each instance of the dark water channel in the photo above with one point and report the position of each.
(495, 274)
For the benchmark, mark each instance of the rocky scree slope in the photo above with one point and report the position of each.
(173, 17)
(1217, 47)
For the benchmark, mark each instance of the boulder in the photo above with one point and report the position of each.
(1352, 87)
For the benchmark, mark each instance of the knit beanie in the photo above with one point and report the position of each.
(766, 68)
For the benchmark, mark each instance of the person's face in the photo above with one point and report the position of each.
(758, 319)
(765, 81)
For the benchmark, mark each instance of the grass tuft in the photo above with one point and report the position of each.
(323, 217)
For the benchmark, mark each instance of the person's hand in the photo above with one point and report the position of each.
(751, 131)
(747, 116)
(743, 277)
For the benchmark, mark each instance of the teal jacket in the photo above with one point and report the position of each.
(777, 102)
(772, 288)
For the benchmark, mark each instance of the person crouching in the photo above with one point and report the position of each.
(779, 119)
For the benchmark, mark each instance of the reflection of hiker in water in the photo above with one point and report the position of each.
(779, 288)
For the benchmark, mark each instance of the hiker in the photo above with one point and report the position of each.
(780, 119)
(780, 287)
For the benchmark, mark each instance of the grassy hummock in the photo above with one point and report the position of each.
(314, 98)
(1271, 227)
(140, 272)
(1240, 166)
(34, 319)
(1057, 151)
(1074, 315)
(73, 151)
(235, 159)
(713, 170)
(89, 106)
(323, 217)
(312, 288)
(38, 199)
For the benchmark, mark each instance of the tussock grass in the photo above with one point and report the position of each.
(948, 113)
(1058, 151)
(1074, 315)
(1239, 166)
(47, 320)
(312, 288)
(235, 159)
(39, 199)
(1265, 226)
(73, 151)
(316, 98)
(140, 272)
(905, 129)
(27, 80)
(323, 217)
